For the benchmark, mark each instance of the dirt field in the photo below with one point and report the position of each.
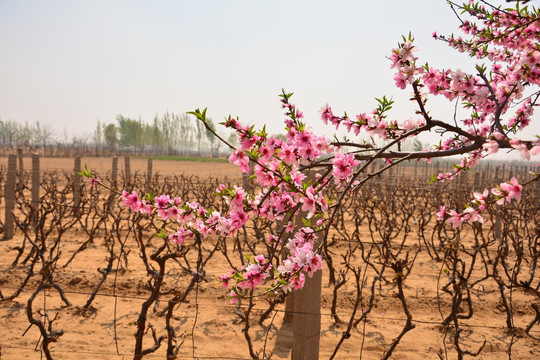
(205, 321)
(103, 165)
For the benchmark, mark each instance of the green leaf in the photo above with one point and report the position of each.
(236, 291)
(86, 172)
(238, 276)
(262, 133)
(198, 114)
(161, 234)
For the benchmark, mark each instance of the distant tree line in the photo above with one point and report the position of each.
(168, 134)
(14, 135)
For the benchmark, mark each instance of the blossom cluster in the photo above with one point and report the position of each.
(375, 125)
(285, 191)
(508, 39)
(503, 193)
(495, 96)
(302, 259)
(191, 216)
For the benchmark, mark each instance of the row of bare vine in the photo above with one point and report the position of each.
(374, 248)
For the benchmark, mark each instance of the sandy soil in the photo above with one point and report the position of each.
(104, 164)
(205, 321)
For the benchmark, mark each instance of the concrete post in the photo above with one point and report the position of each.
(20, 155)
(114, 171)
(477, 181)
(246, 182)
(127, 170)
(10, 197)
(77, 183)
(307, 311)
(149, 175)
(35, 188)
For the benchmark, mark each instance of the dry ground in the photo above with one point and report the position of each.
(207, 324)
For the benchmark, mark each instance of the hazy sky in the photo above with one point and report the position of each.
(71, 63)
